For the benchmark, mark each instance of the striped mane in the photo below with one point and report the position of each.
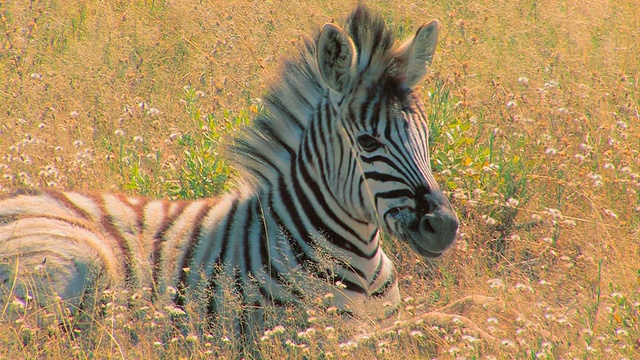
(266, 147)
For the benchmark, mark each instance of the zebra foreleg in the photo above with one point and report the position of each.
(250, 326)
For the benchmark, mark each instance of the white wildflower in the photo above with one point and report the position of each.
(279, 329)
(348, 345)
(610, 213)
(617, 295)
(513, 203)
(622, 332)
(469, 338)
(495, 283)
(508, 343)
(153, 112)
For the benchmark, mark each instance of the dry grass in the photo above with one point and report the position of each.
(535, 104)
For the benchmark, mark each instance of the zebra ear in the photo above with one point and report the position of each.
(417, 53)
(336, 58)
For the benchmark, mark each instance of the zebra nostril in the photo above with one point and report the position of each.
(425, 225)
(441, 223)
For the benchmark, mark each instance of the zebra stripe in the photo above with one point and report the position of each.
(340, 155)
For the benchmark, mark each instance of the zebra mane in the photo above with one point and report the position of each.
(266, 147)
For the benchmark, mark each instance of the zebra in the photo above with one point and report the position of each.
(339, 156)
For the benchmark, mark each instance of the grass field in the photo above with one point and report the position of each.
(535, 133)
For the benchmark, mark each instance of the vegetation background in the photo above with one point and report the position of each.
(535, 133)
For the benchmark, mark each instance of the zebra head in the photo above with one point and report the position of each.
(384, 176)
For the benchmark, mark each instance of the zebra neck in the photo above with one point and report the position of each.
(306, 209)
(316, 227)
(362, 277)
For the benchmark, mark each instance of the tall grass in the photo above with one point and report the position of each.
(535, 132)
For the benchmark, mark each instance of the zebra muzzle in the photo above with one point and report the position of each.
(437, 223)
(439, 228)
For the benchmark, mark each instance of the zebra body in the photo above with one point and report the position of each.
(340, 155)
(139, 242)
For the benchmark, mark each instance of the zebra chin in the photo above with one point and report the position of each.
(429, 235)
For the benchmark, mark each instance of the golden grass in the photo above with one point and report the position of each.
(92, 95)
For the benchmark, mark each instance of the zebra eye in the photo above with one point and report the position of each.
(368, 143)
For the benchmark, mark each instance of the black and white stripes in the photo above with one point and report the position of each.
(340, 154)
